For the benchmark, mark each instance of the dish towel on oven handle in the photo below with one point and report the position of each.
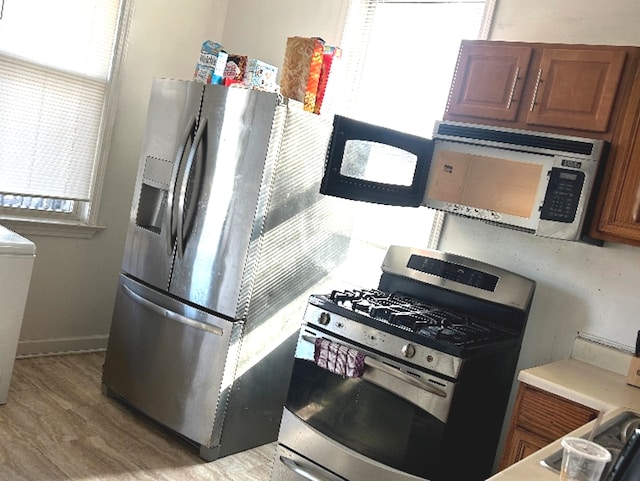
(338, 359)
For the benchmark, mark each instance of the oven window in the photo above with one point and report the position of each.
(366, 418)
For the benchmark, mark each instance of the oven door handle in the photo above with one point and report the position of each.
(392, 371)
(409, 379)
(299, 470)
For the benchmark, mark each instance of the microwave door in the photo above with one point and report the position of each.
(375, 164)
(170, 128)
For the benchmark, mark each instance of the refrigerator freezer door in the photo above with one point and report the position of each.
(167, 359)
(172, 120)
(222, 201)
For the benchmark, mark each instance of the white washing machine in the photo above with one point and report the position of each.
(16, 263)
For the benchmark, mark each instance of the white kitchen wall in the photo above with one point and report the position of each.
(581, 288)
(260, 29)
(74, 280)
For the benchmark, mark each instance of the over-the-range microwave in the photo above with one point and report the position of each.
(536, 182)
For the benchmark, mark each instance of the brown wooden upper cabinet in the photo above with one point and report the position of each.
(617, 216)
(576, 88)
(489, 80)
(570, 87)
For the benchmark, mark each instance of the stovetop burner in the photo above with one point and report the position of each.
(411, 315)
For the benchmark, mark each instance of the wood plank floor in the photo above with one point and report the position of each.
(58, 426)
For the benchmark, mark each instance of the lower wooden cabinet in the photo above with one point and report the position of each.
(539, 418)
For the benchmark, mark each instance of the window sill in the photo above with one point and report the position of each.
(53, 228)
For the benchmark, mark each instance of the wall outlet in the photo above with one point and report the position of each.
(633, 378)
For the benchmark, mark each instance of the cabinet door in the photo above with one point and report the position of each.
(619, 220)
(488, 81)
(576, 88)
(551, 416)
(521, 444)
(539, 418)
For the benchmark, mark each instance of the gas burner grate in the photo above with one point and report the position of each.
(412, 315)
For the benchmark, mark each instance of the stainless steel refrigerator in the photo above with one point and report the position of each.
(228, 234)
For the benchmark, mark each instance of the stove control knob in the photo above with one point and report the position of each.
(408, 350)
(324, 318)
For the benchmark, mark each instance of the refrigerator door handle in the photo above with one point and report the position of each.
(181, 234)
(174, 316)
(171, 230)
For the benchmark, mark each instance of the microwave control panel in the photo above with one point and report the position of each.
(563, 195)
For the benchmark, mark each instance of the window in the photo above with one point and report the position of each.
(399, 60)
(57, 59)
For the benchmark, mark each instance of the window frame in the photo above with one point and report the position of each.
(82, 221)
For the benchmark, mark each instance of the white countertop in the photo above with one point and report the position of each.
(577, 381)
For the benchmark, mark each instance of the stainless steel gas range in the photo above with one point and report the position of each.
(408, 381)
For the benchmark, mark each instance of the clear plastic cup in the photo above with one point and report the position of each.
(582, 460)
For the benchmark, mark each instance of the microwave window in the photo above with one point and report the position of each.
(380, 163)
(483, 182)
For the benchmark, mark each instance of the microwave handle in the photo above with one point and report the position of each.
(371, 363)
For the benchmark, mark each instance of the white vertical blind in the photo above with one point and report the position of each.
(355, 41)
(55, 64)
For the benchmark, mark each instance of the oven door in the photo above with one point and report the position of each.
(393, 417)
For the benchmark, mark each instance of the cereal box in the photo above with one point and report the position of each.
(301, 69)
(211, 64)
(330, 57)
(260, 75)
(235, 70)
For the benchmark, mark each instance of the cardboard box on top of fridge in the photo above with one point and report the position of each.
(261, 76)
(235, 69)
(330, 58)
(301, 69)
(211, 64)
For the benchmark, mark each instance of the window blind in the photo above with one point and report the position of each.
(354, 43)
(55, 64)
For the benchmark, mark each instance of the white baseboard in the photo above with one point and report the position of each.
(47, 347)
